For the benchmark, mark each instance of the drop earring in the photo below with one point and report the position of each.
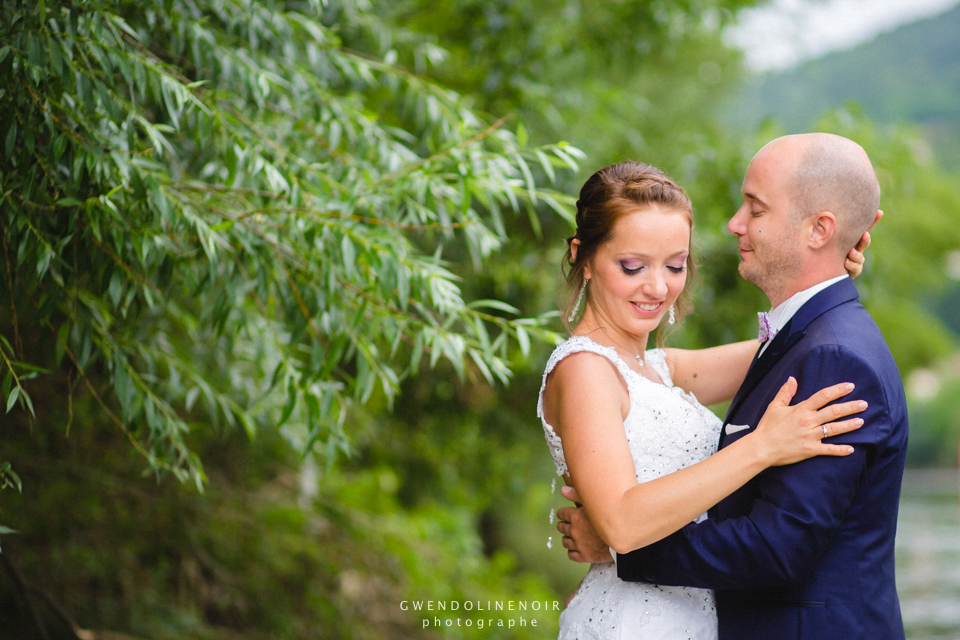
(671, 316)
(576, 305)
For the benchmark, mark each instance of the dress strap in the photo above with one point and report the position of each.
(657, 359)
(576, 344)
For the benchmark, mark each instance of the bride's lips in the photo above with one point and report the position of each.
(652, 309)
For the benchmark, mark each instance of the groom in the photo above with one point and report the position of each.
(802, 551)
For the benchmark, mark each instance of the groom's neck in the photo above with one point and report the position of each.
(809, 277)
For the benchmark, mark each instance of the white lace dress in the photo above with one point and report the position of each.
(667, 429)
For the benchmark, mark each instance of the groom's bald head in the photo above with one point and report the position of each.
(832, 173)
(807, 199)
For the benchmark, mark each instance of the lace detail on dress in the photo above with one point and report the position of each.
(575, 344)
(667, 430)
(657, 359)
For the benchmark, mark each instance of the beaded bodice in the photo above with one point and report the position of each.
(667, 429)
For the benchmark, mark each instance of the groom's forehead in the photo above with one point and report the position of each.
(769, 170)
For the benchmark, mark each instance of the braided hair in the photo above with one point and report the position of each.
(606, 196)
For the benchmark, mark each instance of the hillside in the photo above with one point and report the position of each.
(911, 74)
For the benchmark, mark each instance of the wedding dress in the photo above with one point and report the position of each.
(667, 429)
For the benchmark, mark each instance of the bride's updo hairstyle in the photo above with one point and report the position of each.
(607, 195)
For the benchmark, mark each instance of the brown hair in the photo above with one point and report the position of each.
(605, 197)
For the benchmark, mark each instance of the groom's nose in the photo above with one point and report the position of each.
(738, 223)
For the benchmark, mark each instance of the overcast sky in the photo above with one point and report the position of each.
(789, 31)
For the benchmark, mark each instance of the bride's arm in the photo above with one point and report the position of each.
(715, 374)
(585, 409)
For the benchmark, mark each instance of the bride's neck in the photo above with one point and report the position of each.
(608, 334)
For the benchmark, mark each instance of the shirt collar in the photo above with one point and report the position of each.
(781, 314)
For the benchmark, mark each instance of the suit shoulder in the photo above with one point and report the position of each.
(873, 373)
(851, 328)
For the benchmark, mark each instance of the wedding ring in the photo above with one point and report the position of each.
(824, 427)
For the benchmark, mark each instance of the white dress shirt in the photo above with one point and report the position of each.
(781, 314)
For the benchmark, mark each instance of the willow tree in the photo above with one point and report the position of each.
(217, 213)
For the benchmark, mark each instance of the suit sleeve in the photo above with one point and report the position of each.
(798, 507)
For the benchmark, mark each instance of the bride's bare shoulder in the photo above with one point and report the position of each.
(586, 380)
(582, 366)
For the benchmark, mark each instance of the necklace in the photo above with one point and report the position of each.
(638, 357)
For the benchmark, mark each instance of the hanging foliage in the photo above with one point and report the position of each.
(225, 216)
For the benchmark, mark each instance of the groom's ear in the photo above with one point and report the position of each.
(821, 229)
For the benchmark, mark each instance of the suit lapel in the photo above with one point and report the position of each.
(832, 296)
(762, 363)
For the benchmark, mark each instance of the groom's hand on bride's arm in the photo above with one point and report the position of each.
(579, 538)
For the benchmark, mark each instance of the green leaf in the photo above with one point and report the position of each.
(349, 253)
(59, 145)
(136, 183)
(484, 369)
(528, 176)
(493, 304)
(523, 339)
(547, 166)
(43, 261)
(223, 226)
(120, 22)
(290, 405)
(116, 287)
(522, 137)
(11, 139)
(10, 477)
(63, 334)
(158, 198)
(26, 398)
(56, 56)
(12, 398)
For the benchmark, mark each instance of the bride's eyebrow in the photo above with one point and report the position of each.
(643, 256)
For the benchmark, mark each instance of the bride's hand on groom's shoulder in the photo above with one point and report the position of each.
(855, 259)
(788, 434)
(579, 538)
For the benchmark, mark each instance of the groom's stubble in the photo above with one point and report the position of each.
(776, 263)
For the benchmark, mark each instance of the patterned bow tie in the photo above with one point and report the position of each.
(767, 332)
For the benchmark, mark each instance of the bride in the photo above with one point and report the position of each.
(625, 424)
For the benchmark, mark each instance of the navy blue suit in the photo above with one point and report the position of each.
(806, 550)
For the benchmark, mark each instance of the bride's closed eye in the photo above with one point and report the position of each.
(630, 267)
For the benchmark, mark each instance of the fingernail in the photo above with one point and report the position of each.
(858, 421)
(849, 449)
(862, 404)
(848, 386)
